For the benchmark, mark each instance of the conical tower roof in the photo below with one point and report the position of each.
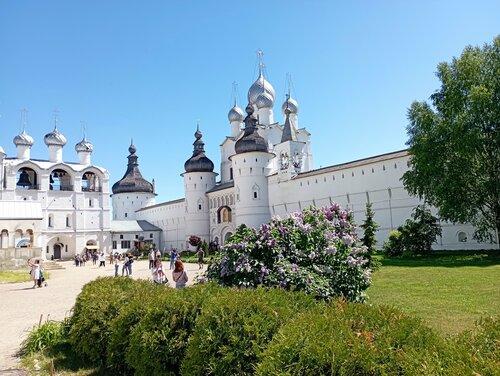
(132, 181)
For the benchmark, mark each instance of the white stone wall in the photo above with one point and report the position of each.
(170, 217)
(125, 205)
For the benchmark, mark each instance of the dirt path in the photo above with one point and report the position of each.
(21, 306)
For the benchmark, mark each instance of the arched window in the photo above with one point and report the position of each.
(27, 178)
(91, 182)
(256, 192)
(60, 180)
(200, 204)
(224, 214)
(462, 237)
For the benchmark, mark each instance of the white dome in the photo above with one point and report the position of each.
(235, 114)
(54, 138)
(23, 139)
(292, 105)
(264, 100)
(258, 87)
(84, 145)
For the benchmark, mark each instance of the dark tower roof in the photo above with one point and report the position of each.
(199, 162)
(251, 140)
(132, 181)
(288, 131)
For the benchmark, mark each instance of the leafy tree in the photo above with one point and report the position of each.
(393, 246)
(455, 143)
(418, 233)
(369, 227)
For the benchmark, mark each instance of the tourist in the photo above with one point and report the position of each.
(151, 258)
(158, 254)
(201, 258)
(125, 264)
(173, 257)
(102, 260)
(158, 274)
(35, 272)
(94, 257)
(117, 265)
(179, 275)
(130, 261)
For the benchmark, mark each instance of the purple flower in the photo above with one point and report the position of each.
(309, 280)
(347, 239)
(283, 283)
(294, 268)
(331, 250)
(281, 270)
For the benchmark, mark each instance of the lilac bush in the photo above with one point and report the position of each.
(314, 250)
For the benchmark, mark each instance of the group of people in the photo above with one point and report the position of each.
(179, 275)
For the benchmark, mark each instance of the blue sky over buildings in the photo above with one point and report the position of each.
(150, 70)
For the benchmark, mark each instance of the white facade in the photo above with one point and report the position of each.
(73, 200)
(256, 185)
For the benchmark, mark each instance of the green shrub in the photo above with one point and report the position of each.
(96, 306)
(393, 246)
(158, 342)
(477, 352)
(129, 316)
(44, 337)
(313, 250)
(352, 339)
(234, 328)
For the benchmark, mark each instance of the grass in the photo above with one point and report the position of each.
(16, 276)
(448, 290)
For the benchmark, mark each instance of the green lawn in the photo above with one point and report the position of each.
(16, 276)
(448, 290)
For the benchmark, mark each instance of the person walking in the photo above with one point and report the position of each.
(102, 260)
(117, 266)
(125, 264)
(130, 261)
(151, 258)
(173, 257)
(179, 275)
(201, 258)
(35, 272)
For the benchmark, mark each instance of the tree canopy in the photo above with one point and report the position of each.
(454, 143)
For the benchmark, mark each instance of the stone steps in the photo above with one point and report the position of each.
(52, 265)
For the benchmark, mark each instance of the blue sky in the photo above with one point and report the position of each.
(149, 70)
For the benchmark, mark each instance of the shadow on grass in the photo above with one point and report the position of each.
(448, 259)
(67, 360)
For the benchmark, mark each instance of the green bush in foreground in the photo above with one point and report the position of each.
(352, 340)
(158, 342)
(128, 317)
(235, 327)
(96, 306)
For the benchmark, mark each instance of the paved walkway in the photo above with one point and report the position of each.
(21, 306)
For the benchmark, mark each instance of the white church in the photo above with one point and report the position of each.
(267, 170)
(55, 209)
(50, 208)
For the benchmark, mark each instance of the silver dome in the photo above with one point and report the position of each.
(54, 138)
(23, 139)
(258, 87)
(84, 145)
(235, 114)
(264, 100)
(292, 105)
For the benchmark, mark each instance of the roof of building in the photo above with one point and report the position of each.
(132, 181)
(133, 226)
(221, 186)
(251, 140)
(199, 162)
(20, 210)
(178, 201)
(356, 163)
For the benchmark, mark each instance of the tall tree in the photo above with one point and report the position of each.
(454, 144)
(369, 227)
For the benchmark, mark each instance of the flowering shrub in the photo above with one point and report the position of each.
(314, 250)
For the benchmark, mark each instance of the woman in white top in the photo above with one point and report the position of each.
(158, 274)
(179, 275)
(35, 271)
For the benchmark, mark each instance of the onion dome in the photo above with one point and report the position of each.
(132, 181)
(54, 138)
(291, 104)
(259, 86)
(235, 114)
(23, 139)
(251, 140)
(264, 100)
(199, 162)
(84, 145)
